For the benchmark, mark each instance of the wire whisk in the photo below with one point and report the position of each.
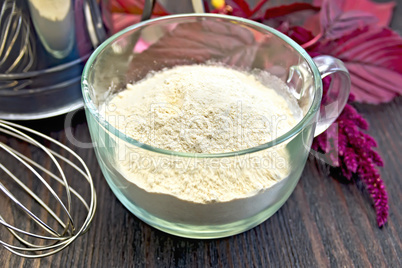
(57, 228)
(17, 47)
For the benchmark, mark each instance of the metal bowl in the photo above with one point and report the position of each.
(57, 91)
(43, 50)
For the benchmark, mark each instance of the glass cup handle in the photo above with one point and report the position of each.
(335, 99)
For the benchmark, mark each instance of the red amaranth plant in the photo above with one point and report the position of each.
(345, 139)
(345, 143)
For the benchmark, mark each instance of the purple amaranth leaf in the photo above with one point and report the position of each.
(195, 43)
(239, 8)
(292, 14)
(366, 88)
(372, 54)
(258, 8)
(300, 35)
(283, 10)
(382, 11)
(336, 23)
(373, 57)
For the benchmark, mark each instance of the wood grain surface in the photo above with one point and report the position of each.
(325, 223)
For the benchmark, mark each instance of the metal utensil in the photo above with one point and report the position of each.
(57, 227)
(16, 44)
(95, 26)
(148, 8)
(48, 87)
(45, 90)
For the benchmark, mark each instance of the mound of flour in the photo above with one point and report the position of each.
(202, 109)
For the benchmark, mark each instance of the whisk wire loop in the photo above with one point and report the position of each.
(58, 240)
(34, 142)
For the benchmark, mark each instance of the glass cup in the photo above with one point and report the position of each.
(128, 165)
